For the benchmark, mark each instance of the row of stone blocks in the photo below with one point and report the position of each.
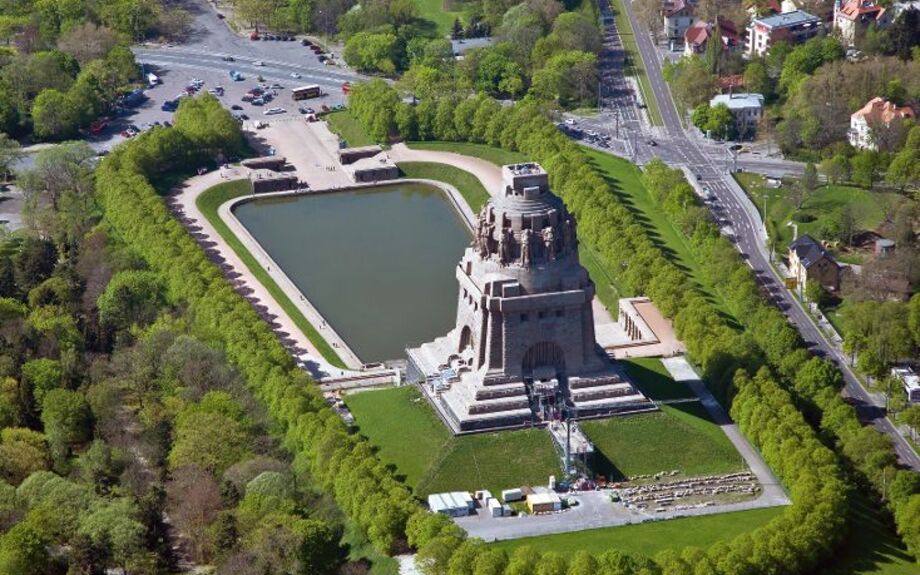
(606, 391)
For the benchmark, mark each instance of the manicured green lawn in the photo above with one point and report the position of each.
(634, 63)
(433, 10)
(651, 377)
(623, 178)
(410, 437)
(650, 538)
(208, 202)
(348, 128)
(679, 437)
(821, 206)
(497, 156)
(469, 186)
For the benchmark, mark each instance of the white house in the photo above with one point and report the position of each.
(746, 109)
(877, 112)
(678, 16)
(792, 27)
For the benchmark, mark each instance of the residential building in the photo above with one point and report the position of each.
(746, 109)
(810, 261)
(793, 27)
(678, 16)
(763, 8)
(878, 112)
(697, 36)
(853, 17)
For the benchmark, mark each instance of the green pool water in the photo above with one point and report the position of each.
(377, 264)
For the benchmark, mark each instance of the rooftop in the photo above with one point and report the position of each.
(880, 110)
(787, 20)
(738, 101)
(809, 250)
(853, 9)
(910, 379)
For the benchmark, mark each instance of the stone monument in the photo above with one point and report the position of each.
(523, 350)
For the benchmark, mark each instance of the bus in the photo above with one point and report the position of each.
(306, 92)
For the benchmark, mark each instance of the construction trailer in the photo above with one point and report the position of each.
(453, 504)
(512, 495)
(495, 508)
(543, 502)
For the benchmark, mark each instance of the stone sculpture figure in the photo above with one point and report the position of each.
(549, 243)
(569, 239)
(504, 246)
(526, 248)
(484, 233)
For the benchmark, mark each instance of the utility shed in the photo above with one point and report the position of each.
(543, 502)
(512, 495)
(495, 507)
(454, 504)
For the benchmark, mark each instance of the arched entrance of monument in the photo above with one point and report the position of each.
(543, 368)
(466, 339)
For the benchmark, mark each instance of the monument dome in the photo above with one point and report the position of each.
(523, 348)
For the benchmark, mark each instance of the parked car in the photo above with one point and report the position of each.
(236, 107)
(652, 143)
(273, 111)
(254, 36)
(228, 59)
(295, 75)
(258, 63)
(276, 86)
(258, 102)
(570, 122)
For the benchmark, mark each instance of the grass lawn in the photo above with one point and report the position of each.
(433, 10)
(634, 64)
(469, 186)
(623, 178)
(821, 206)
(208, 202)
(681, 436)
(410, 437)
(497, 156)
(651, 377)
(348, 128)
(650, 538)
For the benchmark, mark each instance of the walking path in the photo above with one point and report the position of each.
(486, 172)
(773, 492)
(184, 202)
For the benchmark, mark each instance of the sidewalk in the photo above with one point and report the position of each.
(773, 492)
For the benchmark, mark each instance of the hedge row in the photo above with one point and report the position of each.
(343, 463)
(815, 382)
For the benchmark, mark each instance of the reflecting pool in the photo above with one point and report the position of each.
(377, 264)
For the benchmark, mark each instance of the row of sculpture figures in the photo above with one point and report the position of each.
(526, 249)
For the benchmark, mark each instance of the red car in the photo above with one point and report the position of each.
(97, 127)
(254, 36)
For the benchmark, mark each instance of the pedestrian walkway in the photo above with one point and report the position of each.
(773, 492)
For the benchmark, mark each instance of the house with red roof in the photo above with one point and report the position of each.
(678, 16)
(697, 36)
(878, 112)
(853, 17)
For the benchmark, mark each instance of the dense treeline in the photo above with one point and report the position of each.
(114, 415)
(342, 464)
(64, 68)
(715, 345)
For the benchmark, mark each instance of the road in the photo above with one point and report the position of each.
(741, 221)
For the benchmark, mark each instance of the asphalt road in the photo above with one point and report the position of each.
(741, 220)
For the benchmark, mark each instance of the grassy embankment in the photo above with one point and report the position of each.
(348, 128)
(650, 538)
(466, 183)
(208, 202)
(434, 460)
(433, 11)
(634, 64)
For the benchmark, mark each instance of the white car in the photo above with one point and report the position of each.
(273, 111)
(276, 86)
(570, 122)
(258, 63)
(295, 75)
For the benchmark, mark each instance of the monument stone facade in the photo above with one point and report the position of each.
(523, 350)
